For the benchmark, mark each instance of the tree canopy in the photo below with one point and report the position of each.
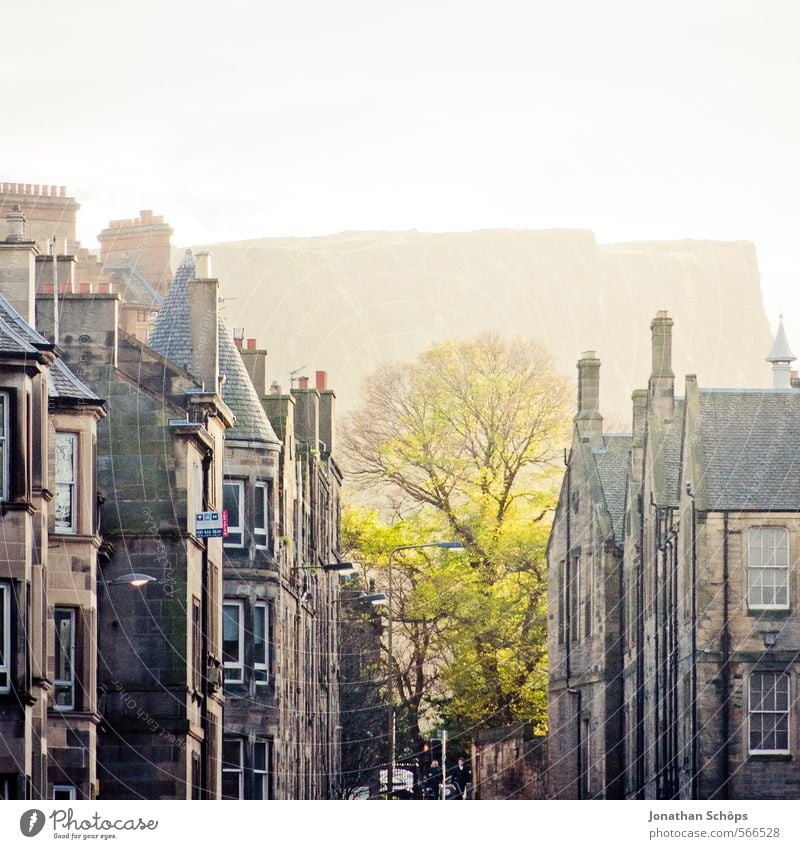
(465, 444)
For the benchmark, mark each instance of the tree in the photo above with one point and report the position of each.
(467, 441)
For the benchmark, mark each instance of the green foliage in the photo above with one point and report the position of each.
(464, 445)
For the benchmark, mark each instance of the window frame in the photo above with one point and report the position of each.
(261, 667)
(261, 777)
(751, 570)
(68, 683)
(787, 713)
(72, 527)
(5, 402)
(231, 667)
(238, 529)
(69, 789)
(5, 637)
(263, 530)
(240, 771)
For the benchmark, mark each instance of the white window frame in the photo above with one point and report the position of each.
(5, 400)
(261, 776)
(240, 771)
(71, 484)
(261, 524)
(69, 682)
(261, 670)
(234, 670)
(753, 569)
(5, 638)
(235, 530)
(787, 713)
(68, 789)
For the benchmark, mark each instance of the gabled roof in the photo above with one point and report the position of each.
(131, 284)
(665, 447)
(64, 384)
(750, 449)
(10, 315)
(171, 336)
(612, 466)
(14, 342)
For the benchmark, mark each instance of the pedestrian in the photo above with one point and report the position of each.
(461, 777)
(434, 780)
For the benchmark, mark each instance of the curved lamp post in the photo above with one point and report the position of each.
(390, 719)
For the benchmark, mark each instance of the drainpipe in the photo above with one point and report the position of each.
(640, 656)
(567, 571)
(726, 657)
(695, 776)
(205, 617)
(657, 652)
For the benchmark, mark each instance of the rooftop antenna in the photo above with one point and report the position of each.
(293, 375)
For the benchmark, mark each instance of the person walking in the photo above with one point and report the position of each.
(434, 780)
(461, 778)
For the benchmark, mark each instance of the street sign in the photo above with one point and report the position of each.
(211, 524)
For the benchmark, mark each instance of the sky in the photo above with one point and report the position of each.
(632, 118)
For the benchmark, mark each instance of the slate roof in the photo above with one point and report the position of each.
(171, 336)
(64, 384)
(612, 466)
(17, 336)
(131, 284)
(14, 342)
(667, 438)
(750, 449)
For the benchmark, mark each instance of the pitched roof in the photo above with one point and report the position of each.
(172, 337)
(750, 449)
(64, 384)
(131, 284)
(12, 341)
(10, 315)
(612, 466)
(667, 438)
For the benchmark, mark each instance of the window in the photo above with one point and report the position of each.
(64, 693)
(233, 640)
(197, 647)
(261, 642)
(262, 520)
(66, 475)
(768, 569)
(8, 786)
(232, 769)
(574, 600)
(233, 502)
(3, 445)
(262, 769)
(5, 638)
(769, 713)
(63, 792)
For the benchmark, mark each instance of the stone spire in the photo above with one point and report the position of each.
(781, 358)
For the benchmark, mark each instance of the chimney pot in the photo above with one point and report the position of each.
(275, 388)
(322, 381)
(302, 382)
(237, 340)
(202, 264)
(251, 344)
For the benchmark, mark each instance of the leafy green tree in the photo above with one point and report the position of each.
(465, 443)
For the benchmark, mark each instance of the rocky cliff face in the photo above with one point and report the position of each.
(348, 302)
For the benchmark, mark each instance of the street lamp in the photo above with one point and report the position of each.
(453, 546)
(133, 579)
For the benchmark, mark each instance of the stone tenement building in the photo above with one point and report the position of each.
(673, 578)
(49, 552)
(281, 492)
(123, 629)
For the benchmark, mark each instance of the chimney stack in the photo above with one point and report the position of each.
(639, 399)
(202, 264)
(588, 419)
(255, 361)
(204, 322)
(662, 379)
(18, 266)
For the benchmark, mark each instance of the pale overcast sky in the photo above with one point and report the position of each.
(632, 118)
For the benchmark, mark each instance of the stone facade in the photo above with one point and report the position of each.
(509, 763)
(707, 577)
(48, 561)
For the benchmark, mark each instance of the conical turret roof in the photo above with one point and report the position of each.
(780, 353)
(172, 337)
